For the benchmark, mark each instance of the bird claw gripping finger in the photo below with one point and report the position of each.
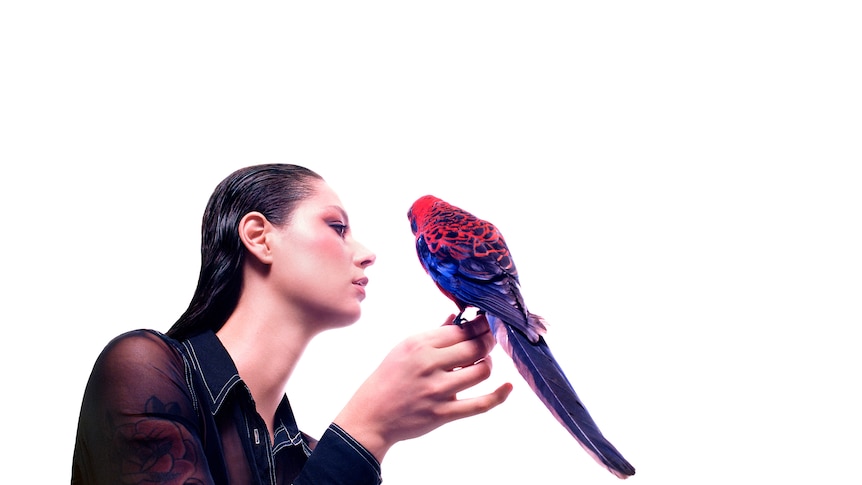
(460, 320)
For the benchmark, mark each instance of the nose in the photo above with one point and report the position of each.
(364, 257)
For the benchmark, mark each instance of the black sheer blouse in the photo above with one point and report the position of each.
(160, 411)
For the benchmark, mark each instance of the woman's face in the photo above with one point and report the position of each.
(318, 265)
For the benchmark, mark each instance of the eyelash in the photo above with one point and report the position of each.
(341, 229)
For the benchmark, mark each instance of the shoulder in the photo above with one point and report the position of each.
(136, 367)
(140, 348)
(142, 342)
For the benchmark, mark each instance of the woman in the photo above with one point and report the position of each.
(205, 403)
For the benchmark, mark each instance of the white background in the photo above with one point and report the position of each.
(677, 184)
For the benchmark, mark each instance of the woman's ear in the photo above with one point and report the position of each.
(254, 231)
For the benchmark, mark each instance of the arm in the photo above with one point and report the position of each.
(137, 421)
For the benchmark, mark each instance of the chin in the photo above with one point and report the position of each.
(346, 319)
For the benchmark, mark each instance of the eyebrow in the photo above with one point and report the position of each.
(341, 211)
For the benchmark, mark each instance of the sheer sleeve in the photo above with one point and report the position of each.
(138, 422)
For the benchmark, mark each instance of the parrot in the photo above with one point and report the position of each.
(470, 263)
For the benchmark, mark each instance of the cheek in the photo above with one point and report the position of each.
(324, 251)
(330, 243)
(328, 248)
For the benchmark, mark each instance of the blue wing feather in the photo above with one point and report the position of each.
(481, 283)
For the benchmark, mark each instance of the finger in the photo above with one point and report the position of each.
(448, 335)
(466, 352)
(464, 408)
(450, 320)
(463, 378)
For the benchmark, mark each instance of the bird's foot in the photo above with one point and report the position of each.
(460, 320)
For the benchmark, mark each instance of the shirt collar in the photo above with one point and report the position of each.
(219, 376)
(218, 372)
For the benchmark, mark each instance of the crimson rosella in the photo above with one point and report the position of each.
(470, 263)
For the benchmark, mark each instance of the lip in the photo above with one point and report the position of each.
(361, 283)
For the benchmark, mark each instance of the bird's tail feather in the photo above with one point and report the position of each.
(538, 367)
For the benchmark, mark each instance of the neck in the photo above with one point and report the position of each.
(265, 348)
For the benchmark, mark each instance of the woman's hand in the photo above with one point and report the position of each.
(414, 390)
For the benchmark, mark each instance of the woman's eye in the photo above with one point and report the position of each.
(341, 229)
